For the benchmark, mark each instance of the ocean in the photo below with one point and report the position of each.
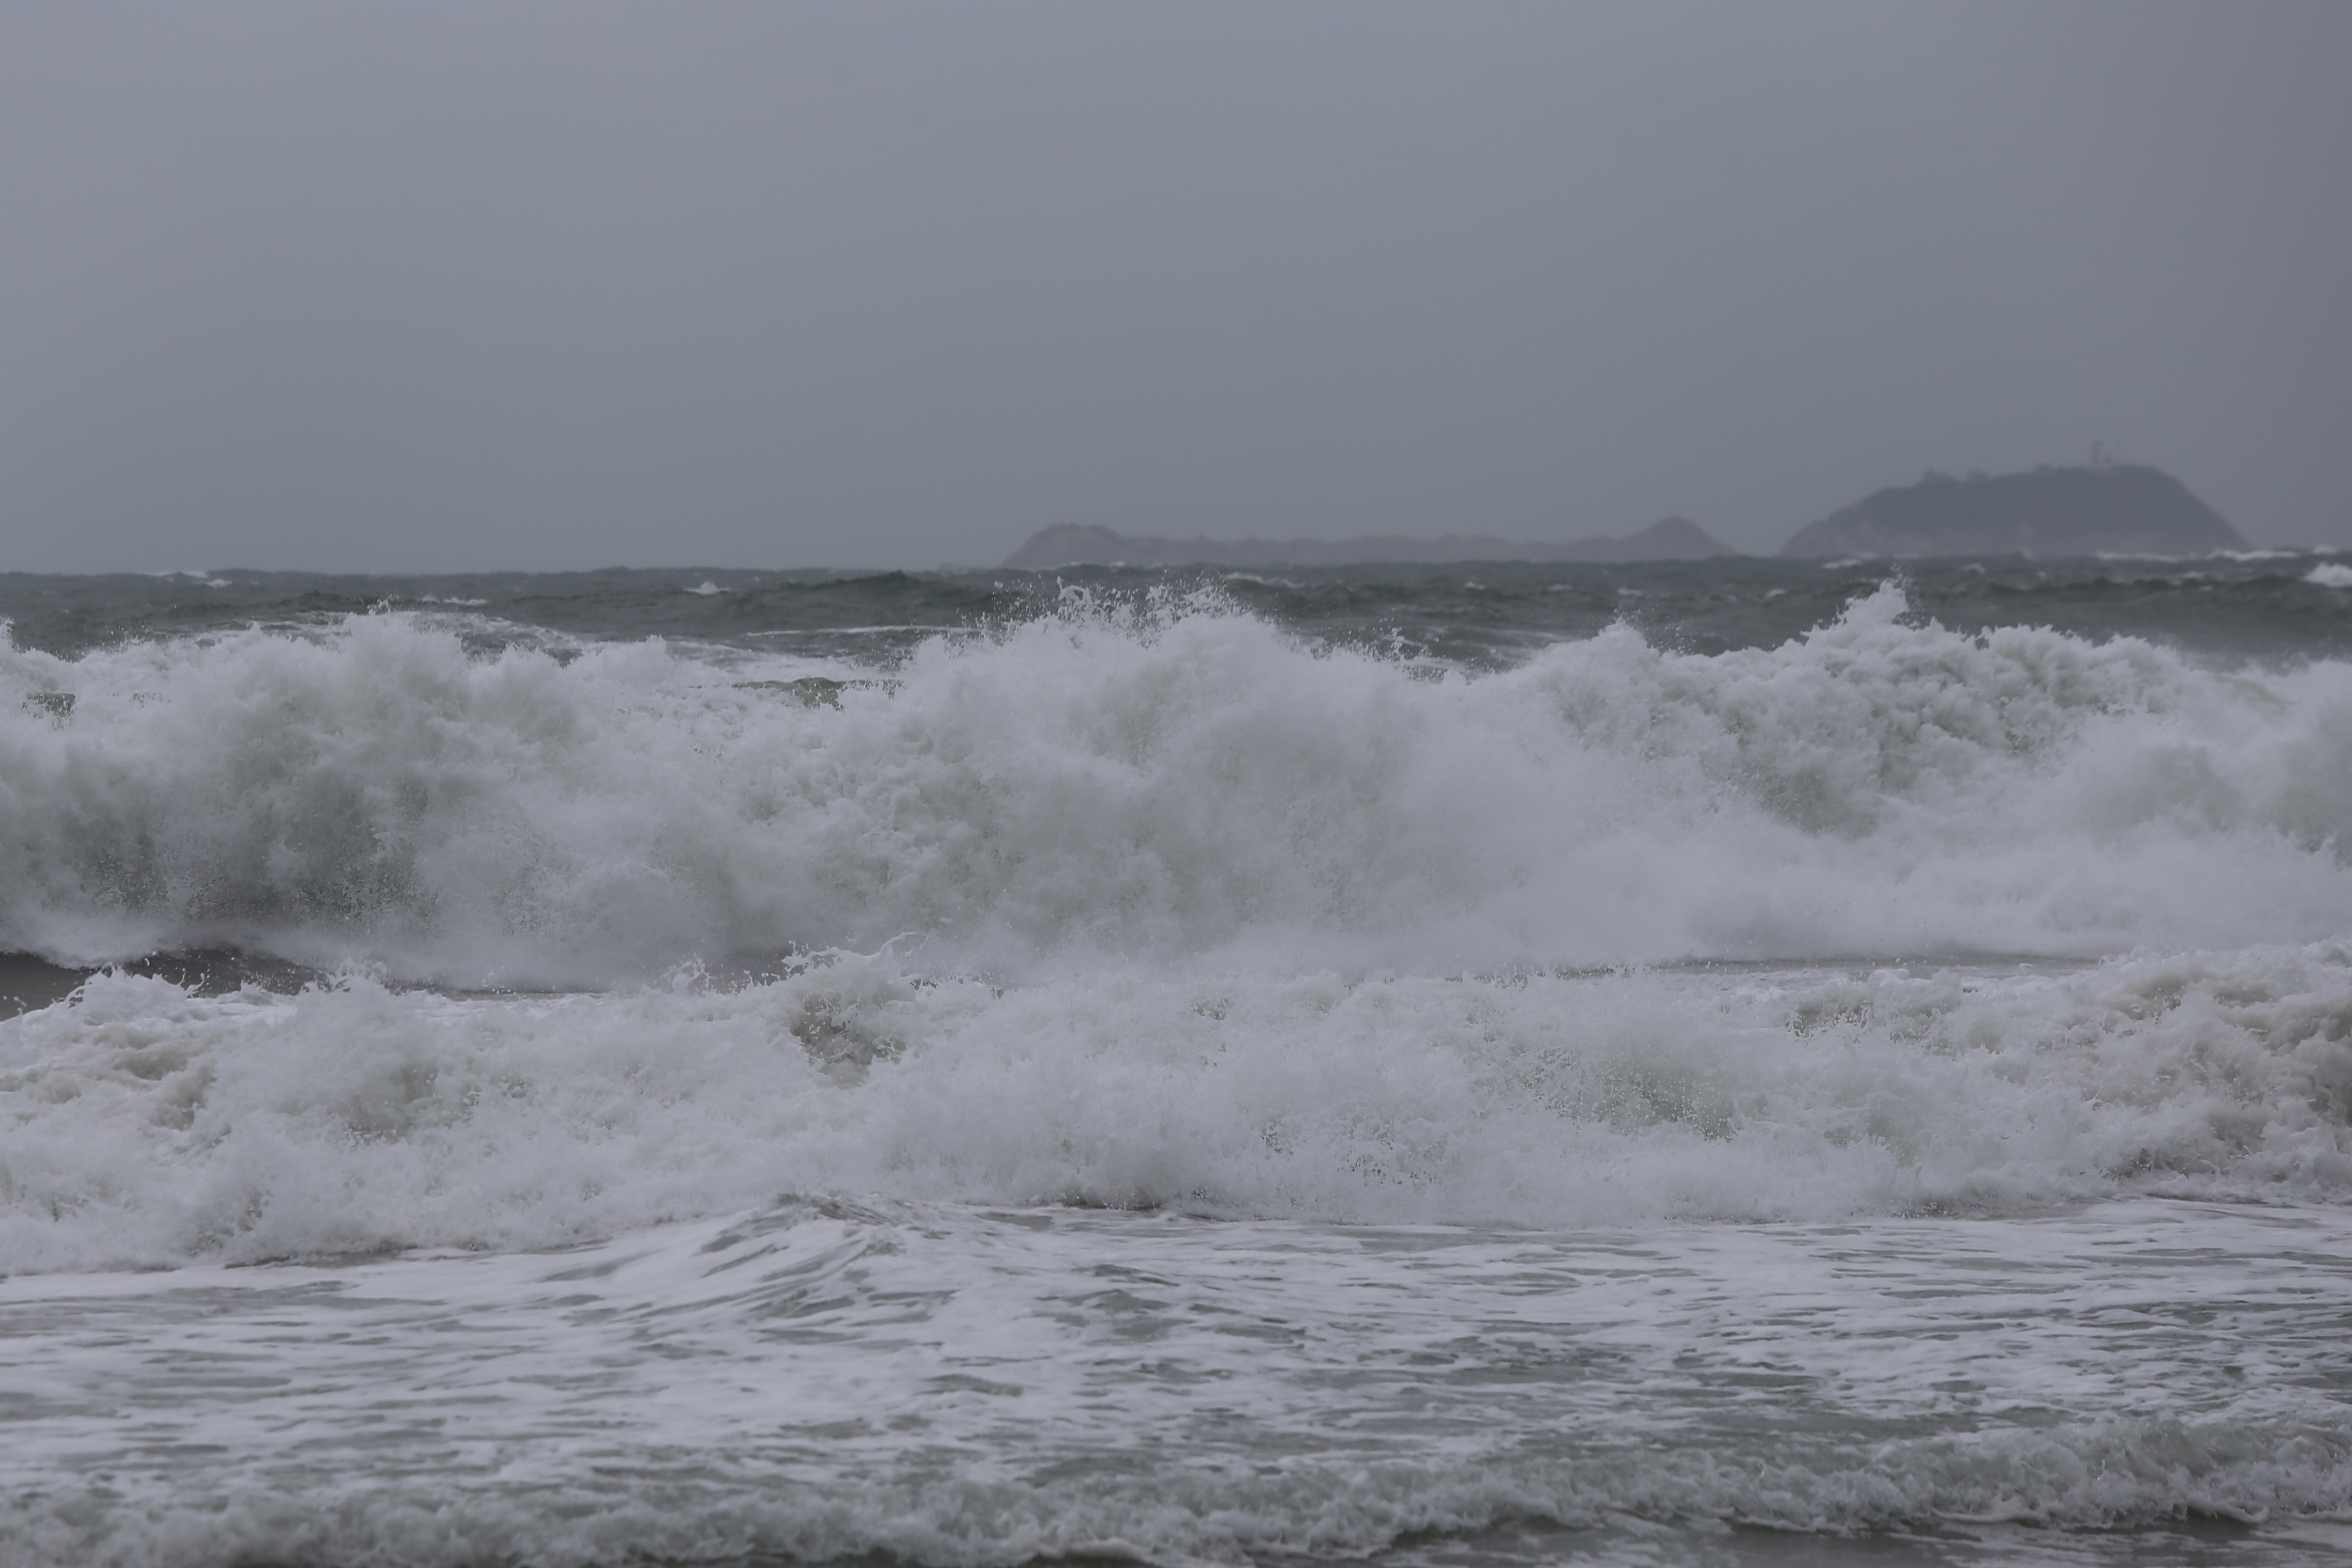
(1732, 1062)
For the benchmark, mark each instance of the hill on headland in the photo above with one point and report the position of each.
(1091, 545)
(2123, 508)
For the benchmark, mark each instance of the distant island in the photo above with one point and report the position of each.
(1091, 545)
(2118, 509)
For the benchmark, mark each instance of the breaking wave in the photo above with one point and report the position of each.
(150, 1126)
(1169, 784)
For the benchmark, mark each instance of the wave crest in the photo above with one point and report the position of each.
(1182, 780)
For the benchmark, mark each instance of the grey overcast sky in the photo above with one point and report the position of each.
(409, 286)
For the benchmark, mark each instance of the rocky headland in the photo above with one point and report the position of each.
(2124, 509)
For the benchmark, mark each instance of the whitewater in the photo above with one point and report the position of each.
(1719, 1062)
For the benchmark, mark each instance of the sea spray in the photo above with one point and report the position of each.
(1447, 1070)
(1097, 783)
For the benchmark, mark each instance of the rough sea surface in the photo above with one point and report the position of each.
(1744, 1062)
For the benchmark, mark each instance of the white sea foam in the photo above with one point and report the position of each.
(1146, 961)
(1166, 786)
(2330, 574)
(148, 1126)
(817, 1379)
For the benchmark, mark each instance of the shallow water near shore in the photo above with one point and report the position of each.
(1718, 1063)
(2125, 1381)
